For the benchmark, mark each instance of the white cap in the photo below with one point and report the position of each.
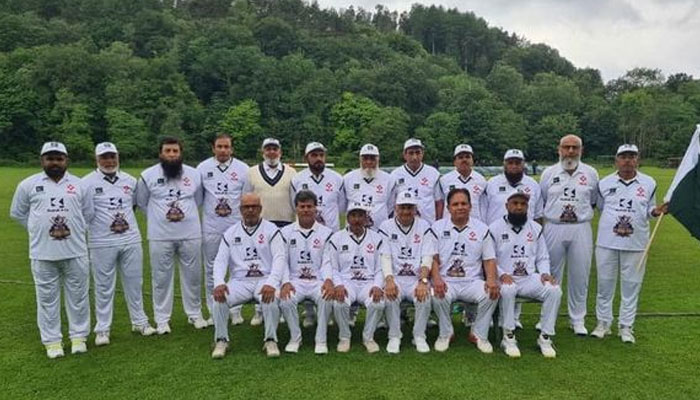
(412, 142)
(463, 148)
(369, 150)
(514, 153)
(406, 197)
(627, 148)
(105, 147)
(357, 206)
(53, 146)
(519, 193)
(271, 142)
(314, 146)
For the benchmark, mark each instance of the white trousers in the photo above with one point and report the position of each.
(210, 247)
(163, 253)
(609, 263)
(240, 292)
(73, 276)
(407, 290)
(471, 292)
(531, 287)
(571, 244)
(307, 290)
(358, 292)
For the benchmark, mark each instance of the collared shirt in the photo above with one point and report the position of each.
(520, 251)
(352, 259)
(375, 193)
(405, 245)
(498, 189)
(222, 187)
(423, 183)
(304, 252)
(475, 183)
(569, 198)
(329, 191)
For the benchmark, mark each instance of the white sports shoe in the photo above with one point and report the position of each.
(601, 330)
(485, 347)
(210, 321)
(442, 344)
(321, 348)
(257, 319)
(421, 345)
(394, 346)
(163, 329)
(102, 339)
(198, 322)
(271, 348)
(54, 350)
(292, 347)
(236, 317)
(509, 345)
(78, 346)
(371, 346)
(580, 329)
(219, 349)
(546, 347)
(144, 330)
(626, 333)
(343, 346)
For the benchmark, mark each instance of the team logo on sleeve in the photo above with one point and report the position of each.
(39, 189)
(253, 271)
(305, 186)
(555, 180)
(456, 270)
(406, 269)
(119, 224)
(358, 269)
(98, 190)
(175, 213)
(59, 228)
(222, 209)
(568, 214)
(519, 268)
(623, 227)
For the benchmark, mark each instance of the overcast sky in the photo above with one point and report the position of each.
(612, 36)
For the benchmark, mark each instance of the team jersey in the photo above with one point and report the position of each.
(404, 246)
(304, 256)
(520, 251)
(352, 259)
(498, 189)
(461, 251)
(569, 198)
(475, 183)
(250, 253)
(330, 194)
(374, 193)
(626, 207)
(222, 187)
(170, 204)
(424, 183)
(113, 199)
(55, 214)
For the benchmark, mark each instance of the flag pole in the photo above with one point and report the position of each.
(651, 238)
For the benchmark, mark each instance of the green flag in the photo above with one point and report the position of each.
(684, 192)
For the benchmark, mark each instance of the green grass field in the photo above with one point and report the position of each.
(663, 363)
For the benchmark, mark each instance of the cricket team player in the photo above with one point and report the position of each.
(114, 241)
(303, 277)
(56, 210)
(170, 193)
(371, 187)
(511, 180)
(523, 270)
(627, 202)
(250, 253)
(569, 194)
(223, 178)
(406, 270)
(422, 180)
(464, 176)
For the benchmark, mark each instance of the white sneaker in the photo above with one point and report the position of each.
(485, 347)
(220, 349)
(343, 346)
(580, 329)
(271, 348)
(78, 346)
(510, 345)
(198, 322)
(209, 321)
(626, 333)
(292, 347)
(321, 348)
(144, 330)
(236, 317)
(371, 346)
(54, 350)
(601, 330)
(257, 319)
(442, 344)
(163, 329)
(394, 346)
(546, 347)
(102, 339)
(421, 345)
(309, 321)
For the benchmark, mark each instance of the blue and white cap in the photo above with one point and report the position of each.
(314, 146)
(627, 148)
(463, 148)
(412, 142)
(514, 153)
(104, 148)
(369, 150)
(406, 197)
(271, 142)
(49, 147)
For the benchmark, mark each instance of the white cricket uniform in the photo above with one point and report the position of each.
(475, 183)
(171, 211)
(423, 183)
(303, 264)
(222, 187)
(330, 194)
(250, 256)
(405, 245)
(521, 252)
(354, 263)
(623, 233)
(375, 193)
(497, 191)
(462, 253)
(569, 200)
(56, 215)
(114, 240)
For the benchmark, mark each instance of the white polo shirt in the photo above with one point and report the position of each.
(222, 187)
(375, 193)
(423, 183)
(352, 259)
(498, 189)
(304, 256)
(329, 191)
(475, 183)
(569, 198)
(406, 247)
(520, 251)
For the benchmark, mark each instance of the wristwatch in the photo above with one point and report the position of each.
(424, 280)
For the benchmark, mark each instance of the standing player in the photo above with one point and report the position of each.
(511, 180)
(463, 176)
(523, 269)
(55, 209)
(303, 278)
(421, 179)
(406, 270)
(370, 187)
(170, 193)
(223, 178)
(627, 202)
(569, 193)
(115, 243)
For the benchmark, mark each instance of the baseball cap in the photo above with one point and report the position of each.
(357, 206)
(49, 147)
(412, 142)
(514, 153)
(369, 150)
(519, 193)
(463, 148)
(105, 147)
(627, 148)
(406, 197)
(271, 142)
(314, 146)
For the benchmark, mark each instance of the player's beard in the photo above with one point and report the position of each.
(172, 169)
(318, 167)
(55, 172)
(514, 178)
(109, 171)
(569, 163)
(517, 219)
(369, 173)
(272, 162)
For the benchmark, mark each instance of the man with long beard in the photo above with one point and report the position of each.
(169, 193)
(370, 186)
(569, 193)
(55, 209)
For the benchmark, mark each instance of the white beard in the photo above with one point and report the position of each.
(109, 171)
(569, 163)
(272, 162)
(369, 173)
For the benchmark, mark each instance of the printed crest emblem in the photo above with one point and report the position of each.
(119, 224)
(186, 181)
(253, 271)
(70, 189)
(623, 227)
(472, 235)
(519, 268)
(329, 187)
(416, 238)
(640, 192)
(424, 181)
(476, 189)
(126, 189)
(59, 228)
(234, 176)
(317, 243)
(307, 273)
(530, 237)
(456, 270)
(222, 209)
(406, 269)
(380, 189)
(582, 180)
(568, 214)
(370, 248)
(175, 213)
(261, 238)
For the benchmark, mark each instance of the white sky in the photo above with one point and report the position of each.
(610, 35)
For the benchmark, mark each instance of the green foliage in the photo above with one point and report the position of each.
(242, 122)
